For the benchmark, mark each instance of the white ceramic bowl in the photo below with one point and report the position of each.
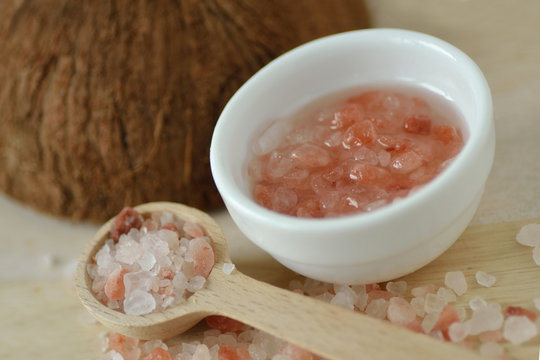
(393, 240)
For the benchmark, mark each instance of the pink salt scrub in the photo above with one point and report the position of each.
(352, 155)
(150, 262)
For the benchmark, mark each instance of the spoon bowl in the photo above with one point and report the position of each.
(326, 330)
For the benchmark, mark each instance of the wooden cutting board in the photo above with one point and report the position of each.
(40, 318)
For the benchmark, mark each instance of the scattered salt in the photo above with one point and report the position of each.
(477, 302)
(400, 312)
(422, 291)
(196, 283)
(518, 329)
(486, 318)
(397, 288)
(418, 306)
(458, 331)
(377, 308)
(529, 235)
(491, 349)
(448, 295)
(455, 280)
(345, 297)
(434, 304)
(429, 321)
(228, 268)
(485, 279)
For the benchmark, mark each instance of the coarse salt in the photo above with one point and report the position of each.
(519, 329)
(455, 280)
(228, 268)
(529, 235)
(485, 279)
(147, 265)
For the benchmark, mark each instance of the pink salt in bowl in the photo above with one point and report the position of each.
(388, 242)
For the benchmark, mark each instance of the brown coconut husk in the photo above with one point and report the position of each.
(105, 104)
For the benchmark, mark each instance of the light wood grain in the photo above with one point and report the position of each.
(295, 318)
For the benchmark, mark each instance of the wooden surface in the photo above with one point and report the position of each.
(282, 313)
(39, 309)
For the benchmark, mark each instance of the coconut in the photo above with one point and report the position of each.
(105, 104)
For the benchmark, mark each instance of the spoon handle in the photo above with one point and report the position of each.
(324, 329)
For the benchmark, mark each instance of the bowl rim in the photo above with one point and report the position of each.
(233, 196)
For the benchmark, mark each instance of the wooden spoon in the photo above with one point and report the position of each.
(326, 330)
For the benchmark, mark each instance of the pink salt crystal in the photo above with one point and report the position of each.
(365, 155)
(128, 250)
(485, 279)
(477, 302)
(397, 288)
(422, 291)
(446, 294)
(308, 155)
(139, 302)
(486, 318)
(278, 165)
(455, 280)
(377, 308)
(418, 306)
(429, 321)
(434, 303)
(203, 256)
(147, 261)
(114, 287)
(462, 313)
(345, 297)
(141, 280)
(406, 162)
(228, 268)
(195, 283)
(284, 199)
(399, 311)
(529, 235)
(491, 349)
(458, 331)
(519, 329)
(384, 158)
(192, 229)
(536, 255)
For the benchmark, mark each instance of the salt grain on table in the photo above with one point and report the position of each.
(519, 329)
(485, 279)
(455, 280)
(529, 235)
(228, 268)
(486, 318)
(458, 331)
(397, 288)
